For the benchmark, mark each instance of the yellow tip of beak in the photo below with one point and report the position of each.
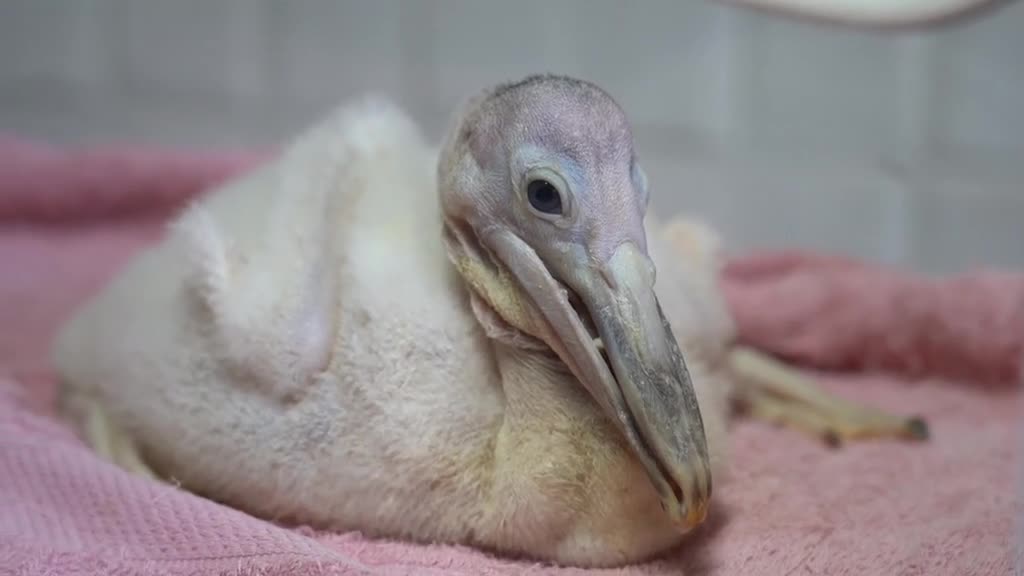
(697, 514)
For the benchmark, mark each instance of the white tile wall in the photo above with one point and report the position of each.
(906, 148)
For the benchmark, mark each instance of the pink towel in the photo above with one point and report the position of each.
(950, 349)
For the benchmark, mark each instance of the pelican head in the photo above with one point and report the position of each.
(544, 202)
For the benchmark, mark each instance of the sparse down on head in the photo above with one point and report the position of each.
(544, 203)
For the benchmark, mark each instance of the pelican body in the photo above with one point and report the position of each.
(368, 333)
(460, 344)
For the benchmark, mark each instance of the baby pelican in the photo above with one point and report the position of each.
(460, 345)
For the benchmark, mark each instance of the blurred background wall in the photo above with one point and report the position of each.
(906, 148)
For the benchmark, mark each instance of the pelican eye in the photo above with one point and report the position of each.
(544, 197)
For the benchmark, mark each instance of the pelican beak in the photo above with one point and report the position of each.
(607, 325)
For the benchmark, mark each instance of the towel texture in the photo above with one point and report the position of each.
(950, 349)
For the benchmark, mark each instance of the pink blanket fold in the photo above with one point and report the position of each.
(950, 349)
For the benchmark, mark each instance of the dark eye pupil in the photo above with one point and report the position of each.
(544, 197)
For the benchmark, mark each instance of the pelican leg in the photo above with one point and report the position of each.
(769, 389)
(777, 393)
